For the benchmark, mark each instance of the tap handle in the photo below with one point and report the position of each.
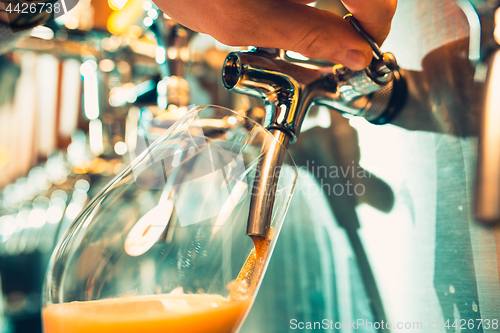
(488, 170)
(382, 63)
(377, 52)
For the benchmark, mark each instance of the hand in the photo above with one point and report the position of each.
(289, 25)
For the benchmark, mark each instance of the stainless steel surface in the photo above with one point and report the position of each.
(264, 73)
(488, 174)
(487, 207)
(474, 29)
(359, 95)
(289, 88)
(264, 187)
(383, 63)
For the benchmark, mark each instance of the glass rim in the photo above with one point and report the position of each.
(95, 201)
(197, 109)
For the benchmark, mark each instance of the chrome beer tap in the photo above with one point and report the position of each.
(290, 87)
(173, 39)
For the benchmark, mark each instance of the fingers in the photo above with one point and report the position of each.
(321, 34)
(305, 2)
(274, 23)
(374, 15)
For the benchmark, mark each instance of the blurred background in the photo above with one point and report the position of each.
(70, 95)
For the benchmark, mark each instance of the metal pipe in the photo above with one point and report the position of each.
(289, 88)
(265, 183)
(488, 170)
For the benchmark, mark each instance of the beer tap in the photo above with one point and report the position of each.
(173, 46)
(290, 87)
(487, 203)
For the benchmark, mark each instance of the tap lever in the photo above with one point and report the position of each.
(288, 89)
(382, 63)
(377, 52)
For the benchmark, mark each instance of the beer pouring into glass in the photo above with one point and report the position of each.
(184, 263)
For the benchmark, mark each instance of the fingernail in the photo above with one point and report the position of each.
(355, 60)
